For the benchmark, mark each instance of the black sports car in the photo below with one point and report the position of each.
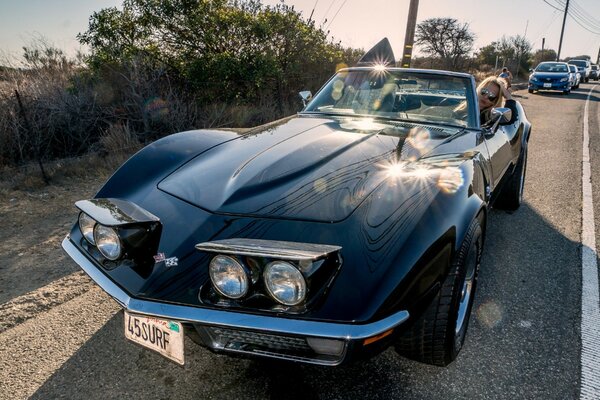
(327, 236)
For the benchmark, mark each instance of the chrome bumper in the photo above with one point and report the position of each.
(197, 315)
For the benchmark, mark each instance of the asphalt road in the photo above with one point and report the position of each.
(523, 340)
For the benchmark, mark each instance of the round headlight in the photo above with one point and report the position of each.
(228, 277)
(108, 242)
(86, 226)
(285, 283)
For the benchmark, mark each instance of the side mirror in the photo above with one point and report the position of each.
(306, 96)
(530, 69)
(503, 115)
(500, 115)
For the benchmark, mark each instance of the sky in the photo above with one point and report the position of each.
(356, 23)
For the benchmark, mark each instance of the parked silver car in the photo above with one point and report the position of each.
(574, 76)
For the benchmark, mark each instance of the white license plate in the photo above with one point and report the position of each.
(547, 85)
(162, 336)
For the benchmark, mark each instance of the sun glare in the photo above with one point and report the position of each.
(447, 179)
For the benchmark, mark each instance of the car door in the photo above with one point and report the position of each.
(503, 147)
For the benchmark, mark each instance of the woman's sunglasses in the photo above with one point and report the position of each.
(490, 96)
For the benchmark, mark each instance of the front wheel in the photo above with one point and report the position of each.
(438, 335)
(530, 90)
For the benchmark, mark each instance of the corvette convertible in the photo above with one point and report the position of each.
(325, 237)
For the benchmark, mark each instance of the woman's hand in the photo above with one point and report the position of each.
(505, 92)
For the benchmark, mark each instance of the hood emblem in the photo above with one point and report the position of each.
(169, 262)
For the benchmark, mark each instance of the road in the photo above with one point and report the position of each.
(524, 340)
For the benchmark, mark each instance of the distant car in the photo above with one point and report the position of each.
(551, 76)
(575, 76)
(355, 225)
(595, 73)
(584, 67)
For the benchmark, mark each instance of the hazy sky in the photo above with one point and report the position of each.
(357, 23)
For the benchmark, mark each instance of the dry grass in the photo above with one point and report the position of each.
(91, 167)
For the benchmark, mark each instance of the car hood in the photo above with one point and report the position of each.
(307, 167)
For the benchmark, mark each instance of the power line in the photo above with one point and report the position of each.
(327, 12)
(313, 10)
(551, 5)
(580, 16)
(337, 12)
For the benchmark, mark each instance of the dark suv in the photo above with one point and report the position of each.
(595, 73)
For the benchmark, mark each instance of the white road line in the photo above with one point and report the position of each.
(590, 300)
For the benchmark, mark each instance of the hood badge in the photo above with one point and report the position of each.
(169, 262)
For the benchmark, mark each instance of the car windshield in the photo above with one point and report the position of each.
(579, 63)
(572, 68)
(595, 67)
(552, 67)
(397, 94)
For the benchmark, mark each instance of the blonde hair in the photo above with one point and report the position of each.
(498, 102)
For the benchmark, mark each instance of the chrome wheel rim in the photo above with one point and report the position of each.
(522, 180)
(466, 295)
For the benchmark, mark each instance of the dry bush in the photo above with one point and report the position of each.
(117, 138)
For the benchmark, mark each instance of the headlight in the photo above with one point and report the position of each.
(86, 226)
(228, 277)
(285, 283)
(108, 242)
(564, 79)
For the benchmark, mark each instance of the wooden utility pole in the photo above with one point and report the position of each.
(562, 31)
(543, 43)
(409, 38)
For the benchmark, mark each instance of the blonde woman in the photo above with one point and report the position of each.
(490, 93)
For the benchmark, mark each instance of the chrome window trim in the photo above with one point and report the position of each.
(224, 318)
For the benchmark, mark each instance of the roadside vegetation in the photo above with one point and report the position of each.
(159, 67)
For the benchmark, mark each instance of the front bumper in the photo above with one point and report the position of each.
(537, 85)
(262, 331)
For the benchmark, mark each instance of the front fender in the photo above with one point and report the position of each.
(151, 164)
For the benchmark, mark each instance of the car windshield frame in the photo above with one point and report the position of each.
(552, 67)
(419, 96)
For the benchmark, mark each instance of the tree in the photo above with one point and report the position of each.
(546, 55)
(488, 55)
(445, 39)
(522, 48)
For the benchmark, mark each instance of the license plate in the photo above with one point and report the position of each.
(547, 85)
(164, 337)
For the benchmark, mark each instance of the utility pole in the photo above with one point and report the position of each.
(543, 43)
(562, 31)
(409, 38)
(598, 58)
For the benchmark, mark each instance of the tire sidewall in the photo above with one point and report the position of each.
(475, 247)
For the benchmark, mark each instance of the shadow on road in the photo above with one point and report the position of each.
(522, 343)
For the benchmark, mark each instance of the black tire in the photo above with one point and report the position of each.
(511, 196)
(530, 90)
(438, 335)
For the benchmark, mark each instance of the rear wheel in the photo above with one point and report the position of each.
(438, 335)
(511, 196)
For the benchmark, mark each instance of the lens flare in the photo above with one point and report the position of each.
(156, 108)
(419, 139)
(450, 179)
